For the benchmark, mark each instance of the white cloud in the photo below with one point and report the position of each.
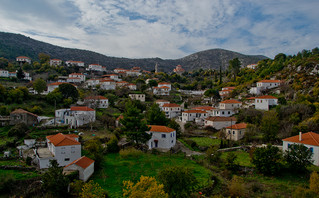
(168, 28)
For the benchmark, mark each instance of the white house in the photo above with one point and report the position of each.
(84, 165)
(309, 140)
(165, 84)
(4, 73)
(263, 85)
(161, 102)
(140, 97)
(97, 102)
(162, 137)
(121, 84)
(75, 116)
(172, 110)
(12, 74)
(55, 62)
(27, 76)
(236, 132)
(96, 67)
(63, 148)
(120, 70)
(113, 77)
(78, 75)
(161, 91)
(107, 84)
(92, 83)
(178, 69)
(226, 91)
(265, 102)
(252, 66)
(74, 80)
(132, 86)
(227, 108)
(219, 122)
(23, 59)
(194, 115)
(74, 63)
(208, 109)
(133, 72)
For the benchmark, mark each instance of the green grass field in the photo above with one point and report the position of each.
(205, 141)
(242, 158)
(115, 169)
(18, 175)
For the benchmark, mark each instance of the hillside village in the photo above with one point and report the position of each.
(235, 130)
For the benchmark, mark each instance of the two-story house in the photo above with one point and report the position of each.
(107, 84)
(162, 137)
(236, 132)
(194, 116)
(76, 77)
(172, 110)
(55, 62)
(263, 85)
(97, 102)
(219, 122)
(227, 108)
(140, 97)
(74, 63)
(265, 102)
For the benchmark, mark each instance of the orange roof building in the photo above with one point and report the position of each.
(84, 165)
(162, 137)
(309, 140)
(236, 132)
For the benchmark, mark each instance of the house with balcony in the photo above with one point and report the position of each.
(172, 110)
(264, 85)
(227, 108)
(96, 102)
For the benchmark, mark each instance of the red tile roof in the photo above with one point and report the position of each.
(163, 87)
(24, 57)
(81, 108)
(206, 108)
(58, 83)
(160, 100)
(195, 111)
(56, 59)
(266, 97)
(63, 140)
(238, 126)
(163, 129)
(83, 162)
(19, 111)
(269, 81)
(309, 138)
(164, 83)
(230, 101)
(171, 105)
(251, 98)
(221, 119)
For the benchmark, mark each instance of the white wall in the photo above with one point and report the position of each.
(72, 152)
(166, 143)
(220, 124)
(315, 155)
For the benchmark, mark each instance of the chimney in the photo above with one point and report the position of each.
(300, 136)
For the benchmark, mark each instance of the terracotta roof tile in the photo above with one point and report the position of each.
(266, 97)
(160, 100)
(309, 138)
(81, 108)
(63, 140)
(221, 119)
(195, 111)
(269, 81)
(238, 126)
(163, 129)
(206, 108)
(230, 101)
(83, 162)
(171, 105)
(24, 57)
(19, 111)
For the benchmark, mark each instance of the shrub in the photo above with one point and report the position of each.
(19, 130)
(112, 146)
(131, 152)
(237, 187)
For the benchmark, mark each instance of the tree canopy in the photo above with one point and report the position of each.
(298, 157)
(134, 124)
(267, 160)
(155, 116)
(39, 85)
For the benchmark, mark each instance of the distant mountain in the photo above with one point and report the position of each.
(13, 45)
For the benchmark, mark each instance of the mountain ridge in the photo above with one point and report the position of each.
(13, 45)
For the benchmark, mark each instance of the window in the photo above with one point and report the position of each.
(171, 134)
(233, 132)
(228, 112)
(172, 141)
(223, 113)
(67, 159)
(163, 135)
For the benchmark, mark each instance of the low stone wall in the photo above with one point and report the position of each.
(20, 168)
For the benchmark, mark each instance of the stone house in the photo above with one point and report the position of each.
(22, 116)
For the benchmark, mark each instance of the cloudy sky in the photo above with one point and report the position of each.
(167, 28)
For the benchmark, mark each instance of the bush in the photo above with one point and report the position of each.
(237, 187)
(36, 110)
(6, 183)
(28, 160)
(112, 146)
(131, 152)
(19, 130)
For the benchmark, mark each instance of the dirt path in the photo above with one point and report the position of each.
(187, 150)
